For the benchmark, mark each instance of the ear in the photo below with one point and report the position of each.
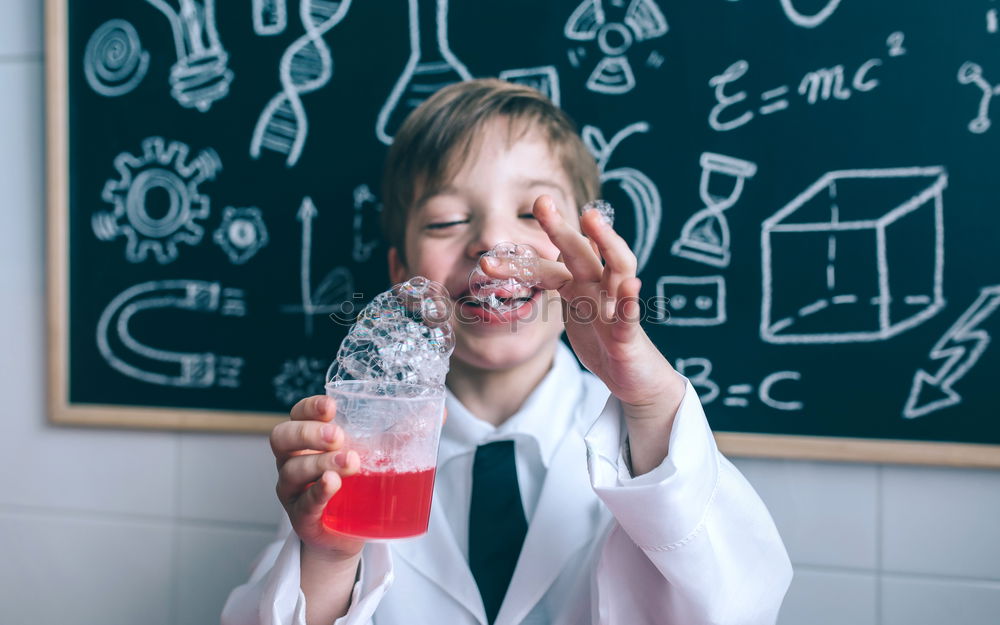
(397, 267)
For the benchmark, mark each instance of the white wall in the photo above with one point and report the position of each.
(120, 527)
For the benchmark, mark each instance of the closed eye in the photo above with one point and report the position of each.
(445, 224)
(526, 216)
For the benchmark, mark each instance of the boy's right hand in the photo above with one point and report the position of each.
(311, 458)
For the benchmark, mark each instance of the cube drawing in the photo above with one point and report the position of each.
(856, 257)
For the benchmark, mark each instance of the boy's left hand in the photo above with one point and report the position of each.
(602, 312)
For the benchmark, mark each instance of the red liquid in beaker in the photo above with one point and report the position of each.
(386, 504)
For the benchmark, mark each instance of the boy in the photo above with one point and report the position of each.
(612, 490)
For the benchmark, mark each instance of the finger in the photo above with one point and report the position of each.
(315, 408)
(619, 261)
(550, 274)
(617, 254)
(290, 437)
(576, 250)
(628, 312)
(309, 507)
(299, 472)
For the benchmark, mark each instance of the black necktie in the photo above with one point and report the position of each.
(497, 524)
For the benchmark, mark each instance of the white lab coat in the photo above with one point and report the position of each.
(689, 543)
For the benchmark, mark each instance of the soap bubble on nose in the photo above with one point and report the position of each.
(520, 263)
(605, 209)
(403, 337)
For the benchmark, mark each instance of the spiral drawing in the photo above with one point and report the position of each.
(114, 61)
(305, 67)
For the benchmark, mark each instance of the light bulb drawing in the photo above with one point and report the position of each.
(431, 65)
(705, 235)
(972, 74)
(306, 66)
(643, 20)
(201, 74)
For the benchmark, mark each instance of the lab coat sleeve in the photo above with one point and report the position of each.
(692, 543)
(273, 596)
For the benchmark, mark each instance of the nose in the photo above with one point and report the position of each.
(488, 231)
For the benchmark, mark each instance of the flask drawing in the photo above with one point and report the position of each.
(305, 66)
(201, 74)
(431, 65)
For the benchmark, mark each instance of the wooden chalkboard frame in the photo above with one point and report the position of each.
(63, 412)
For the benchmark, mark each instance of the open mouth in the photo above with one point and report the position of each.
(500, 304)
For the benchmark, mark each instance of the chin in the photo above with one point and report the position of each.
(499, 352)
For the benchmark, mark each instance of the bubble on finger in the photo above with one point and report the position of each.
(402, 336)
(606, 211)
(520, 262)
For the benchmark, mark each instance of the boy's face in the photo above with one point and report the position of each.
(488, 201)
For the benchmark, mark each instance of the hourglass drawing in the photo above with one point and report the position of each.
(431, 65)
(201, 74)
(705, 235)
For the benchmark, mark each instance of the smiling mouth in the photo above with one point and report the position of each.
(499, 303)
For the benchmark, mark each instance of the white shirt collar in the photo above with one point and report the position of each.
(545, 417)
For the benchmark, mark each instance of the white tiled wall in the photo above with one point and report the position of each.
(120, 527)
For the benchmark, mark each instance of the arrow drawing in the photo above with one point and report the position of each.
(333, 291)
(930, 393)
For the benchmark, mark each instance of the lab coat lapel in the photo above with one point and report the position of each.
(566, 518)
(437, 556)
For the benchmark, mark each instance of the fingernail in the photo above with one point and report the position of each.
(492, 261)
(322, 404)
(328, 432)
(341, 460)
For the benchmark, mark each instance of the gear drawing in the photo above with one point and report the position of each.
(163, 168)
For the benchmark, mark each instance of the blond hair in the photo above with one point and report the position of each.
(440, 134)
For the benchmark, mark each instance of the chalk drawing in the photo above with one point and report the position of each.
(873, 211)
(163, 168)
(705, 235)
(641, 21)
(693, 300)
(333, 292)
(972, 74)
(764, 392)
(241, 234)
(114, 61)
(697, 371)
(637, 186)
(431, 65)
(366, 211)
(305, 66)
(299, 377)
(201, 74)
(270, 17)
(544, 79)
(827, 84)
(130, 357)
(960, 348)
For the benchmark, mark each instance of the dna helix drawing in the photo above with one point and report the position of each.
(305, 66)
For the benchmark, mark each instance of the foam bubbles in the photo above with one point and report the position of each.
(606, 210)
(520, 261)
(401, 336)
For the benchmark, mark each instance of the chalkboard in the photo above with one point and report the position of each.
(810, 187)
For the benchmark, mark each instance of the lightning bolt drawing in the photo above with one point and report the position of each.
(960, 348)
